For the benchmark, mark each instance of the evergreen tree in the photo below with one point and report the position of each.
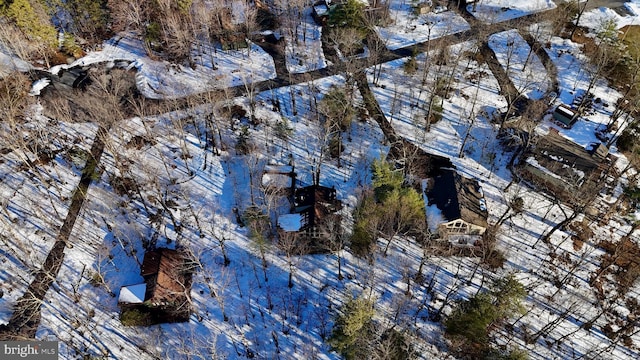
(395, 209)
(472, 320)
(90, 17)
(33, 20)
(348, 14)
(352, 327)
(385, 179)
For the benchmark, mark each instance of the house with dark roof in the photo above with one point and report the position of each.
(164, 295)
(313, 214)
(462, 206)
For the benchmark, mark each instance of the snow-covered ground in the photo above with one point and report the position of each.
(214, 68)
(184, 195)
(305, 53)
(263, 317)
(594, 19)
(494, 11)
(9, 62)
(521, 64)
(574, 76)
(474, 94)
(535, 263)
(408, 28)
(36, 184)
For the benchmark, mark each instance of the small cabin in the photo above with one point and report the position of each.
(164, 295)
(565, 116)
(313, 216)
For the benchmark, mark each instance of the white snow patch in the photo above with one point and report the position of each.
(212, 68)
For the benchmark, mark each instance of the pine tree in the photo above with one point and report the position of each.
(352, 327)
(385, 179)
(348, 14)
(472, 320)
(33, 20)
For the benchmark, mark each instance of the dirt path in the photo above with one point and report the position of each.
(417, 161)
(26, 318)
(551, 68)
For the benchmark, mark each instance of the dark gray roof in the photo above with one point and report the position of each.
(457, 197)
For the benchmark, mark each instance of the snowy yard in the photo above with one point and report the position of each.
(114, 227)
(186, 179)
(473, 95)
(304, 53)
(536, 264)
(409, 28)
(495, 11)
(521, 64)
(213, 68)
(35, 198)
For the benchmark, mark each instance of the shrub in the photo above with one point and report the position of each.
(394, 345)
(283, 130)
(244, 145)
(411, 65)
(135, 317)
(361, 240)
(348, 14)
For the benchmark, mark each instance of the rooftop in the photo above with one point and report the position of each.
(457, 197)
(165, 275)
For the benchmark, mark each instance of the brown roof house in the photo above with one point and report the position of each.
(461, 204)
(313, 215)
(561, 167)
(164, 294)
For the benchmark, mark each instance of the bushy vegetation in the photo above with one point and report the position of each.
(391, 209)
(135, 317)
(348, 14)
(471, 321)
(353, 328)
(337, 108)
(32, 18)
(629, 137)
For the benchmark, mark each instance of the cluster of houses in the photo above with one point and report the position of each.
(314, 211)
(554, 164)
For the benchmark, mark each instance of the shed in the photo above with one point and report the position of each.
(164, 295)
(565, 116)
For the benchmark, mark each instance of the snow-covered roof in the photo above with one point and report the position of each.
(132, 294)
(290, 222)
(321, 9)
